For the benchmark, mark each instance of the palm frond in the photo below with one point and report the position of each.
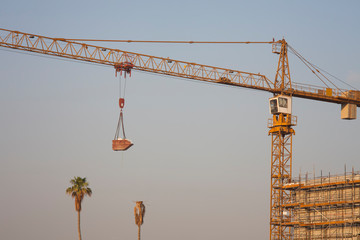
(79, 190)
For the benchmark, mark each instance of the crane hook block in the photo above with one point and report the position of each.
(121, 102)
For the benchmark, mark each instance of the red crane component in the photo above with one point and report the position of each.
(124, 67)
(121, 103)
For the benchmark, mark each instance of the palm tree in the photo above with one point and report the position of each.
(139, 212)
(78, 191)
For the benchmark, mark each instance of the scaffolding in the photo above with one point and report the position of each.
(325, 207)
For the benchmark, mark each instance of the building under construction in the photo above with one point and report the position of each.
(325, 207)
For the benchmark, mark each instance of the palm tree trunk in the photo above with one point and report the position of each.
(139, 232)
(79, 225)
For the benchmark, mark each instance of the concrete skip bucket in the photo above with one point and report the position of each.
(121, 144)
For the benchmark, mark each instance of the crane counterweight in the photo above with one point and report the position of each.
(348, 110)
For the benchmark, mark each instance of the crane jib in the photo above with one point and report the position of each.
(61, 47)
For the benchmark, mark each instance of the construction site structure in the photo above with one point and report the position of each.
(324, 207)
(282, 88)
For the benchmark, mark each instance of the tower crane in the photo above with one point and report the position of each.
(283, 89)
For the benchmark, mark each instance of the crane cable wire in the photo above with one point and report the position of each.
(314, 68)
(307, 65)
(336, 78)
(331, 75)
(120, 125)
(122, 91)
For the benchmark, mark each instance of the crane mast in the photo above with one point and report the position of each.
(281, 152)
(282, 88)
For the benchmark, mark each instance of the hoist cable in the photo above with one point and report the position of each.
(122, 91)
(121, 118)
(120, 86)
(124, 87)
(117, 130)
(122, 123)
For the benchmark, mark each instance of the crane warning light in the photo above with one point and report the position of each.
(280, 104)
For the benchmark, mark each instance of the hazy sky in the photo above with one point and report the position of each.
(201, 159)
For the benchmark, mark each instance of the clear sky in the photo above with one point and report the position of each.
(201, 159)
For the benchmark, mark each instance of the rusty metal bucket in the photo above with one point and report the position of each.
(121, 144)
